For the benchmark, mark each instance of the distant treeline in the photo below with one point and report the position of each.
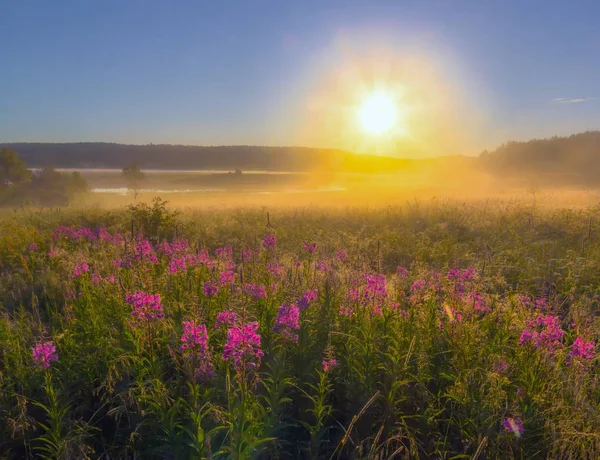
(108, 155)
(561, 160)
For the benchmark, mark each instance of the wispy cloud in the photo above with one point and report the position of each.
(566, 100)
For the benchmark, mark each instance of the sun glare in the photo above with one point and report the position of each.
(378, 113)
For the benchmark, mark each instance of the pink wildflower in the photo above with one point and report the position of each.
(255, 291)
(227, 318)
(146, 307)
(287, 321)
(401, 272)
(269, 241)
(80, 269)
(310, 248)
(194, 346)
(227, 277)
(582, 349)
(514, 425)
(310, 295)
(210, 288)
(329, 364)
(243, 347)
(45, 353)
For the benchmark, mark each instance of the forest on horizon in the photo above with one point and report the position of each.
(563, 160)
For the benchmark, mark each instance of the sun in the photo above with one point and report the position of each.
(378, 113)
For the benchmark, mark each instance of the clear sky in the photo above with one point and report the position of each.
(268, 72)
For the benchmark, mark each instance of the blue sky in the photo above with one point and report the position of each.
(225, 72)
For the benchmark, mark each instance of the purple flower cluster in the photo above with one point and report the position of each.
(309, 296)
(341, 255)
(80, 269)
(44, 354)
(144, 252)
(225, 253)
(83, 233)
(287, 321)
(582, 349)
(269, 241)
(329, 364)
(375, 289)
(194, 346)
(401, 272)
(177, 265)
(146, 307)
(543, 332)
(175, 248)
(210, 288)
(228, 318)
(33, 247)
(243, 347)
(275, 270)
(310, 248)
(226, 277)
(467, 274)
(255, 291)
(477, 302)
(514, 425)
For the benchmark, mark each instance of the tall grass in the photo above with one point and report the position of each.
(224, 334)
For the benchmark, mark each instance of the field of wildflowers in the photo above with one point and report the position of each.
(437, 330)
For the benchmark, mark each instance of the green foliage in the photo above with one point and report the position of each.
(156, 222)
(12, 168)
(412, 380)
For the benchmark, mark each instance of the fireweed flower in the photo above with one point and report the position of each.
(287, 321)
(376, 287)
(96, 279)
(341, 255)
(174, 248)
(514, 425)
(177, 265)
(477, 302)
(210, 288)
(248, 254)
(255, 291)
(310, 248)
(329, 364)
(227, 318)
(242, 348)
(322, 266)
(269, 241)
(194, 346)
(144, 252)
(543, 332)
(401, 272)
(80, 269)
(33, 247)
(310, 295)
(582, 349)
(146, 307)
(226, 277)
(275, 270)
(44, 354)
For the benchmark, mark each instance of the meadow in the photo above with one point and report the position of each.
(429, 329)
